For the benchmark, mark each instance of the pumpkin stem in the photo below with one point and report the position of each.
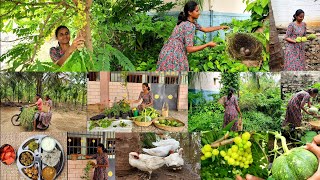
(283, 142)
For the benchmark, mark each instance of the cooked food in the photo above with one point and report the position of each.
(48, 144)
(32, 172)
(33, 145)
(51, 158)
(26, 158)
(49, 173)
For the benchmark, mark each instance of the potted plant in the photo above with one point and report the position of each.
(109, 112)
(125, 111)
(116, 111)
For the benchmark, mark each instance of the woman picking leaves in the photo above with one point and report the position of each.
(63, 51)
(173, 56)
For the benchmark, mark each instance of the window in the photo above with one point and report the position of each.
(74, 145)
(92, 76)
(92, 144)
(172, 80)
(134, 78)
(153, 79)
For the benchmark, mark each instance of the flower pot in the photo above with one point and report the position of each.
(74, 157)
(130, 114)
(124, 115)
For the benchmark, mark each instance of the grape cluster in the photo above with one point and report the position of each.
(239, 154)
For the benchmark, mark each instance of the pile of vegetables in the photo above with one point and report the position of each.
(27, 117)
(301, 39)
(169, 122)
(294, 164)
(311, 37)
(239, 154)
(104, 123)
(304, 39)
(143, 118)
(149, 111)
(121, 124)
(7, 154)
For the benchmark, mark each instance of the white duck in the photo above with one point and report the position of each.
(145, 162)
(175, 160)
(174, 143)
(161, 151)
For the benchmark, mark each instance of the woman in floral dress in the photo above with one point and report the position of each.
(231, 110)
(101, 168)
(146, 96)
(45, 117)
(296, 104)
(294, 59)
(173, 56)
(62, 52)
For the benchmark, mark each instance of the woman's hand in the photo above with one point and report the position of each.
(211, 44)
(315, 149)
(78, 42)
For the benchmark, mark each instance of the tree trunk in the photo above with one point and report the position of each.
(87, 27)
(276, 52)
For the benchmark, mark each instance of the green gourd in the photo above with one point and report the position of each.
(295, 164)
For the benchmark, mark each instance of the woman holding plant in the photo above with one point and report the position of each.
(101, 168)
(146, 96)
(294, 58)
(232, 110)
(173, 56)
(296, 104)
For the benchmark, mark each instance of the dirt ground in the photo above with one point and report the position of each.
(61, 120)
(186, 173)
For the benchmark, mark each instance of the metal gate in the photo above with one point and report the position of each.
(165, 93)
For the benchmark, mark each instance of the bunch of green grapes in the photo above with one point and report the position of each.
(239, 154)
(80, 19)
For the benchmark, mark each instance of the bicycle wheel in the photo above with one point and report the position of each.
(15, 120)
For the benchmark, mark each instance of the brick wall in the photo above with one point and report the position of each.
(93, 92)
(75, 169)
(116, 90)
(292, 82)
(183, 97)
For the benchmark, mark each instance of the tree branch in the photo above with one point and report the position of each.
(36, 3)
(26, 37)
(2, 15)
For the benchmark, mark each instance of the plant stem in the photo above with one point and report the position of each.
(283, 142)
(222, 138)
(224, 142)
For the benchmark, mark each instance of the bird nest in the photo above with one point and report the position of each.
(245, 47)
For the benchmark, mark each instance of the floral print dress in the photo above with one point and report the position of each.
(56, 53)
(173, 56)
(146, 99)
(231, 112)
(294, 59)
(101, 173)
(293, 114)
